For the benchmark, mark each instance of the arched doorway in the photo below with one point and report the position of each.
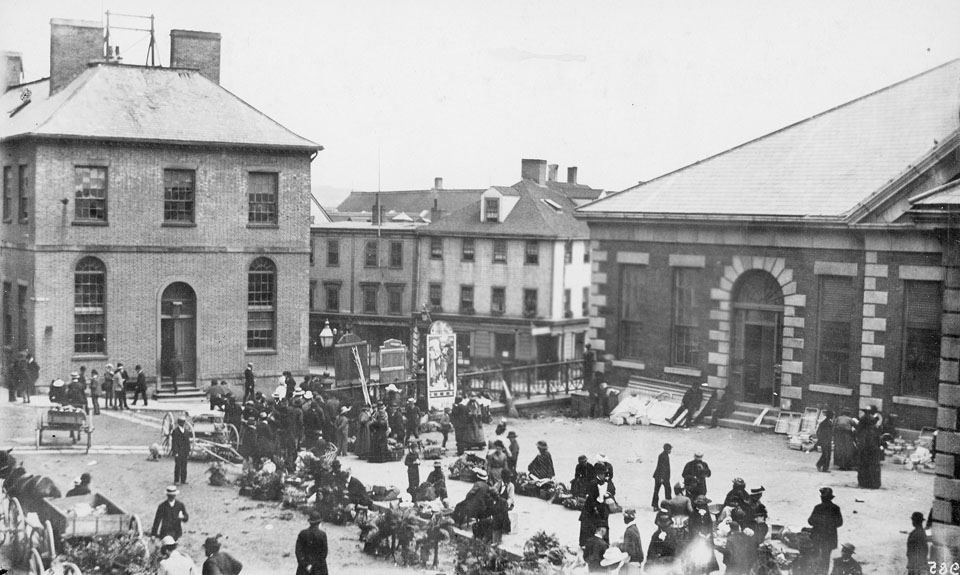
(757, 341)
(178, 331)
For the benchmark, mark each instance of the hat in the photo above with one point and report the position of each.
(74, 375)
(84, 477)
(612, 556)
(698, 454)
(411, 400)
(849, 547)
(630, 512)
(503, 420)
(168, 541)
(481, 474)
(601, 457)
(739, 482)
(181, 419)
(109, 366)
(308, 394)
(172, 490)
(58, 383)
(661, 517)
(344, 409)
(677, 486)
(701, 500)
(826, 492)
(511, 435)
(249, 365)
(757, 490)
(437, 464)
(392, 387)
(298, 392)
(211, 543)
(314, 517)
(542, 444)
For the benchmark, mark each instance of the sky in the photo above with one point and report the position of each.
(400, 92)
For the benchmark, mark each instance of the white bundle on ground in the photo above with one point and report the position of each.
(630, 411)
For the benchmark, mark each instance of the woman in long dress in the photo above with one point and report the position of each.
(379, 428)
(868, 437)
(362, 446)
(844, 446)
(473, 426)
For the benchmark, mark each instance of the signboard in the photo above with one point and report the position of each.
(441, 369)
(393, 361)
(345, 363)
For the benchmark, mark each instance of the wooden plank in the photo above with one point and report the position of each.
(760, 417)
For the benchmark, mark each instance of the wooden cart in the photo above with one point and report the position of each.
(37, 527)
(63, 420)
(210, 436)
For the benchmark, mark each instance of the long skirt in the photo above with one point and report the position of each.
(362, 446)
(379, 452)
(868, 475)
(844, 450)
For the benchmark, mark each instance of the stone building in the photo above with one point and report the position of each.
(149, 213)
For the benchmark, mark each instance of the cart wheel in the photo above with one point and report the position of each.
(166, 431)
(36, 563)
(233, 436)
(51, 543)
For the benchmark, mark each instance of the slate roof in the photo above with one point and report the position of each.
(410, 201)
(530, 217)
(575, 191)
(819, 168)
(118, 102)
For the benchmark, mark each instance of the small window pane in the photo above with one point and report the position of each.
(89, 333)
(500, 251)
(498, 300)
(261, 304)
(468, 249)
(262, 191)
(436, 297)
(436, 248)
(371, 255)
(90, 193)
(333, 253)
(178, 195)
(396, 254)
(532, 253)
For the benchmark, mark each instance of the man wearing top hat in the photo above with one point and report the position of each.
(825, 520)
(171, 514)
(311, 548)
(219, 562)
(180, 449)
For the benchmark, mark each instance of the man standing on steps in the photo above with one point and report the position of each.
(249, 383)
(180, 449)
(175, 368)
(140, 386)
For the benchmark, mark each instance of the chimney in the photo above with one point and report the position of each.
(438, 183)
(572, 175)
(73, 45)
(12, 70)
(435, 211)
(535, 170)
(552, 172)
(198, 50)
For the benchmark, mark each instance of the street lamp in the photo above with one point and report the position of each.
(326, 336)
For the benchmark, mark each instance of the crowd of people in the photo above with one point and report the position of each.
(855, 443)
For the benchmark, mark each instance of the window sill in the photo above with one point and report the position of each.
(178, 225)
(264, 226)
(501, 262)
(688, 371)
(628, 364)
(249, 351)
(89, 356)
(88, 223)
(830, 389)
(915, 401)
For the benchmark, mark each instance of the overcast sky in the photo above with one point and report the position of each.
(399, 92)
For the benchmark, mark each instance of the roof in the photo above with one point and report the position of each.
(318, 214)
(575, 191)
(945, 195)
(117, 102)
(410, 201)
(366, 227)
(530, 217)
(820, 168)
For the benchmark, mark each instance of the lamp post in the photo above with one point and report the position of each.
(326, 338)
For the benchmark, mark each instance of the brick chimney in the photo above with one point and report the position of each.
(552, 172)
(12, 71)
(572, 175)
(73, 45)
(438, 183)
(435, 213)
(535, 170)
(198, 50)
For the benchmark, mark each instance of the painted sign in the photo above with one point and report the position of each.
(441, 369)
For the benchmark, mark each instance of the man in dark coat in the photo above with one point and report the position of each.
(917, 547)
(170, 516)
(311, 548)
(249, 383)
(180, 449)
(412, 420)
(542, 465)
(588, 368)
(31, 373)
(219, 562)
(175, 369)
(513, 451)
(458, 417)
(81, 486)
(738, 496)
(632, 544)
(825, 442)
(695, 474)
(140, 387)
(690, 403)
(663, 543)
(740, 553)
(661, 476)
(825, 520)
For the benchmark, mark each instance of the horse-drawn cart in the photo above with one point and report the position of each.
(62, 420)
(210, 436)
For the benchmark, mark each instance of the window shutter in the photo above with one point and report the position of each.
(923, 305)
(836, 298)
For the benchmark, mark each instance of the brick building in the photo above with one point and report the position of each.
(510, 271)
(147, 213)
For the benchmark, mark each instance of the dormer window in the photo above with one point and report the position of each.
(492, 211)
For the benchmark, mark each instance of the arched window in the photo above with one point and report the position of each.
(262, 304)
(89, 309)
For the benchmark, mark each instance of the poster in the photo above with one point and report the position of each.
(441, 369)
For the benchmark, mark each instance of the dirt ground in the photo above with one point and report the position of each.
(262, 535)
